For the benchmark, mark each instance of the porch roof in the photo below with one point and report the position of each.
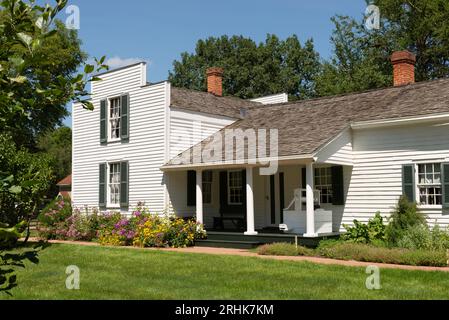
(306, 126)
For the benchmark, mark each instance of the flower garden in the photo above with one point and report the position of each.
(59, 222)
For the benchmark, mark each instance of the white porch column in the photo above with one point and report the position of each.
(199, 196)
(310, 206)
(250, 226)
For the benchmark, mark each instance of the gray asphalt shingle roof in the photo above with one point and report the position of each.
(204, 102)
(305, 126)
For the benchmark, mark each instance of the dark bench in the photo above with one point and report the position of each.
(237, 221)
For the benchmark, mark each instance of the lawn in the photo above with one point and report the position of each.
(121, 273)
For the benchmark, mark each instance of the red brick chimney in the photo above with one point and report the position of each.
(215, 81)
(403, 67)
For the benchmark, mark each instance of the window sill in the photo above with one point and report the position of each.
(429, 206)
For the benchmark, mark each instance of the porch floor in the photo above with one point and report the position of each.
(236, 239)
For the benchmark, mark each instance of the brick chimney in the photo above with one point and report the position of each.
(403, 67)
(215, 81)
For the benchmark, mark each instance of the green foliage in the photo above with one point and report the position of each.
(422, 237)
(57, 145)
(366, 233)
(31, 179)
(52, 216)
(33, 93)
(368, 253)
(404, 217)
(361, 57)
(284, 249)
(251, 70)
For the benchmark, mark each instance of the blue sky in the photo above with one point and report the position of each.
(158, 31)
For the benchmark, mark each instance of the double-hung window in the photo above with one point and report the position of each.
(235, 187)
(430, 184)
(323, 183)
(114, 185)
(114, 118)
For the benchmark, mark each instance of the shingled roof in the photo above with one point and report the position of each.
(305, 126)
(208, 103)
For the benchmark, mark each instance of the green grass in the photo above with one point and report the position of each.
(120, 273)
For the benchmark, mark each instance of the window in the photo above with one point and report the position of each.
(429, 184)
(207, 187)
(235, 188)
(323, 183)
(114, 118)
(114, 184)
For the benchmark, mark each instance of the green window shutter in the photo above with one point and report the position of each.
(191, 188)
(338, 193)
(103, 122)
(408, 182)
(102, 185)
(445, 170)
(124, 184)
(124, 132)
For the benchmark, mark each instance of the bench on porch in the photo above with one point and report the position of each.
(237, 221)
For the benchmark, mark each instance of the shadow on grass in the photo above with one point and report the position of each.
(12, 258)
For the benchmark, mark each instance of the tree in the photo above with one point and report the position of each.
(25, 90)
(58, 55)
(361, 56)
(57, 145)
(251, 70)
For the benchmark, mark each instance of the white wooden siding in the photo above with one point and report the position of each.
(273, 99)
(376, 179)
(188, 128)
(338, 151)
(146, 150)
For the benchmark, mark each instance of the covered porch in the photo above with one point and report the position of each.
(303, 199)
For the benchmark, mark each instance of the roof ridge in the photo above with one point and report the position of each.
(409, 86)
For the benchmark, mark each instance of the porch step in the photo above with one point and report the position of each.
(227, 244)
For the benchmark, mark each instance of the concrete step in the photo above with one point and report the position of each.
(227, 244)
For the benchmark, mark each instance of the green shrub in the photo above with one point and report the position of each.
(422, 237)
(405, 216)
(53, 216)
(366, 233)
(369, 253)
(284, 249)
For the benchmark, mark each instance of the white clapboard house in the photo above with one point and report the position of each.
(338, 158)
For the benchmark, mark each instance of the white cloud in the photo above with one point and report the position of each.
(117, 62)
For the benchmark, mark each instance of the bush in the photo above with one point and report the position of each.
(53, 217)
(422, 237)
(374, 231)
(404, 217)
(165, 231)
(284, 249)
(368, 253)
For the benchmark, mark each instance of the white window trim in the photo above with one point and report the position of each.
(417, 193)
(108, 114)
(229, 189)
(108, 193)
(329, 186)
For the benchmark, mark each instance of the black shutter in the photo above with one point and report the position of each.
(282, 195)
(103, 122)
(244, 190)
(102, 185)
(445, 170)
(338, 193)
(272, 199)
(303, 178)
(124, 120)
(408, 181)
(191, 188)
(124, 184)
(223, 192)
